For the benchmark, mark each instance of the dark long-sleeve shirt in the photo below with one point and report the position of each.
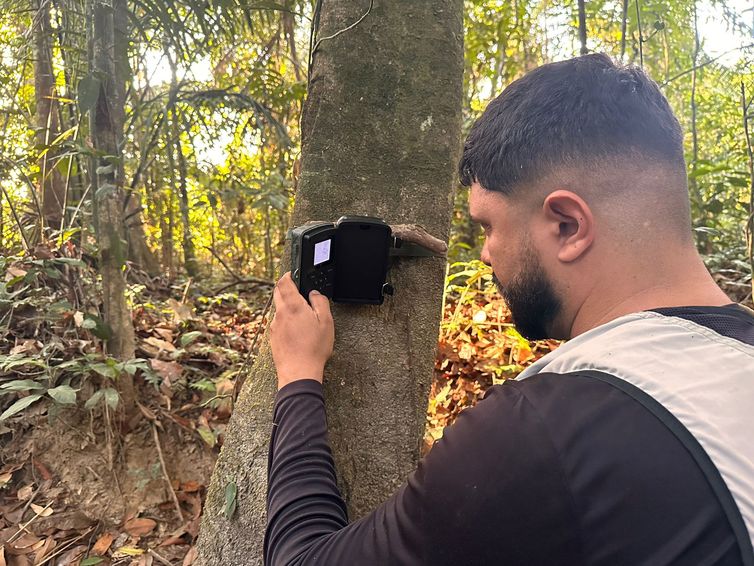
(556, 469)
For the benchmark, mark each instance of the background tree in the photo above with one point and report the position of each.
(106, 127)
(400, 94)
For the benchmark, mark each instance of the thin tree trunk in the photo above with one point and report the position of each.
(582, 27)
(624, 20)
(750, 155)
(289, 24)
(189, 255)
(137, 250)
(384, 114)
(696, 194)
(106, 128)
(51, 186)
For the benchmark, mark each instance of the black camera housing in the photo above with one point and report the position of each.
(346, 261)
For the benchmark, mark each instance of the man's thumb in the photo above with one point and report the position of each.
(320, 303)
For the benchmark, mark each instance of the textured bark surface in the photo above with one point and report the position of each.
(51, 186)
(381, 137)
(106, 126)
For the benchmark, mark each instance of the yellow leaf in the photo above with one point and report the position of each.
(129, 551)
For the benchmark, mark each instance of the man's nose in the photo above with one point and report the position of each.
(484, 257)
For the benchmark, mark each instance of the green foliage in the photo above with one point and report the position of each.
(54, 380)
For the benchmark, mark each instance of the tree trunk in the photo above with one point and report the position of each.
(381, 132)
(582, 27)
(624, 20)
(189, 255)
(51, 186)
(106, 127)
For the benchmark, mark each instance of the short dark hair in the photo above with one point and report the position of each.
(570, 113)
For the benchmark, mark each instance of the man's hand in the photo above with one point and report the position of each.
(301, 336)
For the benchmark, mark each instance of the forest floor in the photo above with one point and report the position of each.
(80, 487)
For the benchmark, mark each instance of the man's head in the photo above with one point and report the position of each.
(577, 176)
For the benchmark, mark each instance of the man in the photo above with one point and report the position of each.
(631, 444)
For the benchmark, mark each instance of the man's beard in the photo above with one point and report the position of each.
(531, 299)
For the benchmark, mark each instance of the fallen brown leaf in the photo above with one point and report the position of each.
(169, 371)
(103, 544)
(41, 511)
(188, 560)
(25, 492)
(139, 527)
(24, 545)
(161, 344)
(48, 546)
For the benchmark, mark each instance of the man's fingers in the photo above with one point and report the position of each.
(321, 305)
(288, 292)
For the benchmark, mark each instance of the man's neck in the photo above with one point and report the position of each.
(682, 283)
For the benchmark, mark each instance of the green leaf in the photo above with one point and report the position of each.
(105, 370)
(20, 405)
(100, 329)
(231, 491)
(133, 365)
(21, 385)
(189, 337)
(207, 436)
(106, 169)
(94, 399)
(88, 92)
(111, 397)
(72, 261)
(13, 362)
(91, 561)
(63, 394)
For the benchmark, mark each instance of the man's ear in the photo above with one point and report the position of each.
(572, 223)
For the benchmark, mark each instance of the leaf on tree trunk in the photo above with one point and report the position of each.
(88, 92)
(231, 491)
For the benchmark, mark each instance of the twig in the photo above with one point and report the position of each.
(215, 398)
(22, 528)
(255, 280)
(160, 559)
(218, 258)
(65, 546)
(700, 65)
(185, 290)
(344, 30)
(165, 473)
(24, 241)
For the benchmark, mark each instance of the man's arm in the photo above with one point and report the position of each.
(493, 472)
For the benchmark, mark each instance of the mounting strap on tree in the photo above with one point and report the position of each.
(348, 260)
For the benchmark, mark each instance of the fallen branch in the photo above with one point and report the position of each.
(254, 280)
(225, 265)
(165, 473)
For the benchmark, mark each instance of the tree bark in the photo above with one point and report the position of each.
(582, 27)
(51, 185)
(106, 128)
(381, 132)
(189, 255)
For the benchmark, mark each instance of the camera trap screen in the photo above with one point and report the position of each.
(322, 251)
